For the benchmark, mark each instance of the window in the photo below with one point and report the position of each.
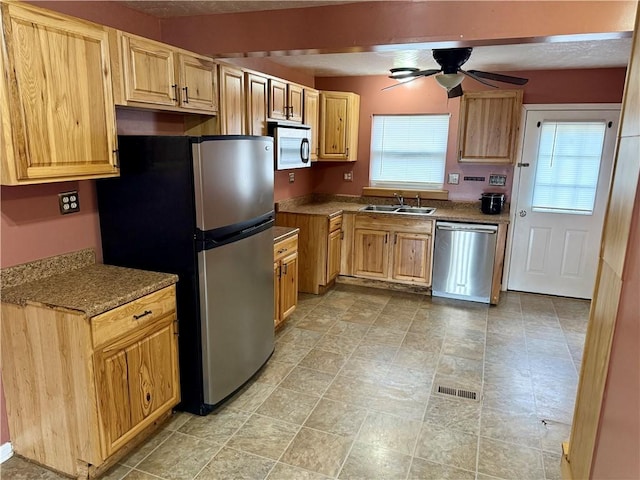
(409, 151)
(568, 166)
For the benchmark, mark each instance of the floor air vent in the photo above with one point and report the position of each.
(468, 394)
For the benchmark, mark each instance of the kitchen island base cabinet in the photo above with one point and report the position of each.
(81, 391)
(319, 247)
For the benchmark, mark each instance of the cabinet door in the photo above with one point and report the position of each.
(333, 255)
(372, 253)
(137, 380)
(489, 124)
(311, 118)
(197, 83)
(276, 294)
(232, 105)
(149, 71)
(339, 116)
(57, 95)
(113, 395)
(277, 99)
(153, 382)
(294, 103)
(288, 284)
(257, 104)
(411, 259)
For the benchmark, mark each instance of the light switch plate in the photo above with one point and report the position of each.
(454, 179)
(69, 202)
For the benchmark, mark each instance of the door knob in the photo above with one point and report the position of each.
(522, 213)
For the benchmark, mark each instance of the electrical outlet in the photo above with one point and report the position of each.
(454, 179)
(292, 177)
(499, 180)
(348, 176)
(69, 202)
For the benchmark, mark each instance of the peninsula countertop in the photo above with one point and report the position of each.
(91, 289)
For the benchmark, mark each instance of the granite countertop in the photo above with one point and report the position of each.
(91, 289)
(282, 233)
(445, 210)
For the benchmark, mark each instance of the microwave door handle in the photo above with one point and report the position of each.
(304, 150)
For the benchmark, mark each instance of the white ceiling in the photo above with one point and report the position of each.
(555, 53)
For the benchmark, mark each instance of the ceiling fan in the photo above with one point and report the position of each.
(451, 75)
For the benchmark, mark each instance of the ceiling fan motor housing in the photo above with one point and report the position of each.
(451, 59)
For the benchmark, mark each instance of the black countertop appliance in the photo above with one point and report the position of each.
(492, 203)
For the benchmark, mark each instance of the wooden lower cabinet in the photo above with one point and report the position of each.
(80, 391)
(393, 249)
(285, 272)
(320, 245)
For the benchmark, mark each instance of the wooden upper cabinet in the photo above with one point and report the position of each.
(278, 106)
(295, 102)
(285, 101)
(489, 125)
(232, 102)
(56, 98)
(311, 112)
(339, 121)
(198, 82)
(161, 76)
(257, 104)
(149, 71)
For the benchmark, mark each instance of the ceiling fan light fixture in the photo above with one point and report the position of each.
(402, 74)
(449, 81)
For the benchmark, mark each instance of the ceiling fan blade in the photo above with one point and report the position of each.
(455, 92)
(426, 73)
(478, 79)
(400, 83)
(498, 77)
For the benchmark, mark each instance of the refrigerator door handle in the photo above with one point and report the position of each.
(208, 239)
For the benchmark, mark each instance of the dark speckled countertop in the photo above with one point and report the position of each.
(282, 233)
(445, 210)
(90, 289)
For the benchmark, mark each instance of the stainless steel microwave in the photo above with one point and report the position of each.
(292, 147)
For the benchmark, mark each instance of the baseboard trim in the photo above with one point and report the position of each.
(6, 452)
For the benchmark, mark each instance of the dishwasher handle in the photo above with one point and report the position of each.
(488, 229)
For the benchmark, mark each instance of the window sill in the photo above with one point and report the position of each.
(407, 193)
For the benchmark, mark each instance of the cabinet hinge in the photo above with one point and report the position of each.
(116, 153)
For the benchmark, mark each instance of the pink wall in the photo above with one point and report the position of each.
(356, 25)
(426, 96)
(265, 65)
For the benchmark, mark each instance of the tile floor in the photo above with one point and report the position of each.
(349, 393)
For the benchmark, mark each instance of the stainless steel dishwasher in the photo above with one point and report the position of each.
(463, 260)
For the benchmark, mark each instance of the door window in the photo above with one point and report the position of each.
(568, 166)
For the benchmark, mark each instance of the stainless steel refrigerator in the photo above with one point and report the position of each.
(201, 207)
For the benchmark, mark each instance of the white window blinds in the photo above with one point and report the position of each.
(568, 166)
(408, 150)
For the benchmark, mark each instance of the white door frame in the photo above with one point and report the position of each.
(515, 184)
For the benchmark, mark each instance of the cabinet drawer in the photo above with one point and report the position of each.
(136, 314)
(285, 247)
(335, 223)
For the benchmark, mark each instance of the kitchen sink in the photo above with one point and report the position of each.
(380, 208)
(399, 209)
(416, 210)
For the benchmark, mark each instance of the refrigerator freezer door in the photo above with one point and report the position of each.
(236, 292)
(233, 179)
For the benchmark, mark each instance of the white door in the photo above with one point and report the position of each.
(564, 178)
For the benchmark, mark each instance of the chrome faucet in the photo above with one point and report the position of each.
(400, 199)
(418, 200)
